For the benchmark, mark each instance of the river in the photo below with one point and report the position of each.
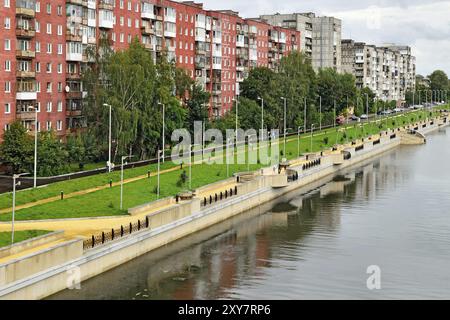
(392, 212)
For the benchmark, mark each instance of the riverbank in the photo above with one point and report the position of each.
(186, 218)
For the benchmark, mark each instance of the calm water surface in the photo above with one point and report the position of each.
(393, 211)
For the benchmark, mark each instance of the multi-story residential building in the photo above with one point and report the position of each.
(389, 70)
(45, 46)
(320, 36)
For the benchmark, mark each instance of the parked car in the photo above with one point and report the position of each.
(364, 116)
(355, 118)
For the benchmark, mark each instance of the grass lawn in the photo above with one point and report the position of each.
(5, 237)
(106, 202)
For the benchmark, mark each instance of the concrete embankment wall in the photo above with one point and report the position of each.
(186, 218)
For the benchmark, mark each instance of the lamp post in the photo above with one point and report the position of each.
(334, 108)
(304, 116)
(320, 113)
(298, 141)
(262, 117)
(159, 168)
(163, 129)
(284, 128)
(312, 130)
(15, 177)
(35, 143)
(121, 181)
(236, 100)
(109, 136)
(367, 106)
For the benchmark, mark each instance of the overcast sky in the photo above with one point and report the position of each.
(424, 25)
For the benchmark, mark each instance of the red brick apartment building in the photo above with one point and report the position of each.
(43, 47)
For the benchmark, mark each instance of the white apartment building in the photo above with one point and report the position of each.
(389, 70)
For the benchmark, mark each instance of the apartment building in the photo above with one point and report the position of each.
(45, 45)
(389, 70)
(320, 36)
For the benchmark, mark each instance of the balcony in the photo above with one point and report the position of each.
(106, 5)
(74, 95)
(170, 34)
(25, 54)
(147, 30)
(73, 76)
(150, 46)
(25, 33)
(77, 2)
(26, 95)
(72, 37)
(25, 74)
(25, 115)
(25, 12)
(74, 113)
(150, 15)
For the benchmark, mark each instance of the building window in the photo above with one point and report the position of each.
(60, 106)
(59, 125)
(7, 3)
(49, 106)
(49, 68)
(49, 8)
(8, 65)
(49, 28)
(49, 125)
(7, 23)
(7, 45)
(49, 48)
(49, 87)
(7, 108)
(7, 87)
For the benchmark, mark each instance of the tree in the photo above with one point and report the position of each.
(297, 82)
(52, 155)
(17, 149)
(197, 107)
(439, 80)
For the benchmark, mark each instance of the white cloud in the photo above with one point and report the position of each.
(422, 24)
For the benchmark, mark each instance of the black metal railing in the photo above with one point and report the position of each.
(115, 234)
(312, 164)
(222, 195)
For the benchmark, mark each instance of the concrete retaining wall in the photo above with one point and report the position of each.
(32, 264)
(31, 243)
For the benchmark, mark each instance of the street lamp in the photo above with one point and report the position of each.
(262, 117)
(320, 112)
(367, 106)
(304, 120)
(15, 177)
(163, 129)
(312, 130)
(298, 141)
(159, 167)
(236, 100)
(334, 106)
(35, 143)
(110, 135)
(284, 129)
(121, 181)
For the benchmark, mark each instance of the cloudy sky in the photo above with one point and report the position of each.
(422, 24)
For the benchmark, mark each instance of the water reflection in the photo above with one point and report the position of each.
(314, 243)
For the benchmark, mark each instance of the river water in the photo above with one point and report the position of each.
(392, 212)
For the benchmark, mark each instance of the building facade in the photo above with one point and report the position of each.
(320, 36)
(45, 43)
(389, 70)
